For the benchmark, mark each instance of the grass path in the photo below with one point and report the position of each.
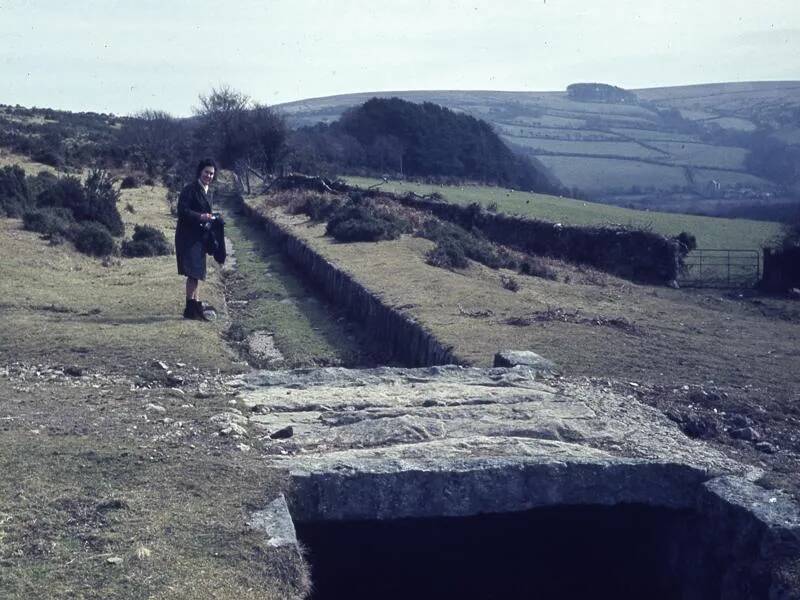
(269, 296)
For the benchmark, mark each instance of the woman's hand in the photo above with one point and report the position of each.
(206, 216)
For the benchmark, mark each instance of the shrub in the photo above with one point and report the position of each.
(92, 238)
(101, 201)
(448, 254)
(14, 194)
(146, 241)
(361, 221)
(149, 181)
(49, 221)
(94, 201)
(129, 182)
(67, 193)
(48, 156)
(318, 207)
(536, 268)
(40, 182)
(687, 242)
(473, 245)
(509, 283)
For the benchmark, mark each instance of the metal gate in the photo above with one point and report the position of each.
(721, 268)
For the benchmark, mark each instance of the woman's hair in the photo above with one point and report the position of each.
(206, 162)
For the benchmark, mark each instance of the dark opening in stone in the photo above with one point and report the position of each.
(624, 551)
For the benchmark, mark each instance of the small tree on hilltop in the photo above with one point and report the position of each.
(221, 116)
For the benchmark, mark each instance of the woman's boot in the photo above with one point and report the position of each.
(188, 312)
(198, 311)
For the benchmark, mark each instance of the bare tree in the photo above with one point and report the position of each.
(238, 131)
(154, 139)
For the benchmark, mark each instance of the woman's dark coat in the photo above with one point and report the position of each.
(189, 234)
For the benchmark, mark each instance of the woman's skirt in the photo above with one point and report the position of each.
(191, 260)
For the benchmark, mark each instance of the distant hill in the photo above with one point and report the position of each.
(677, 148)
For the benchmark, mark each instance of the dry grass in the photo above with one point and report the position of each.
(8, 158)
(80, 487)
(87, 472)
(57, 303)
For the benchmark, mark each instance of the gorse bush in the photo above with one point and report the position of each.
(448, 254)
(687, 242)
(534, 267)
(509, 283)
(14, 194)
(471, 244)
(129, 182)
(146, 241)
(319, 207)
(92, 238)
(96, 200)
(49, 221)
(101, 202)
(361, 220)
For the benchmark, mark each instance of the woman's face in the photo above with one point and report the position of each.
(207, 175)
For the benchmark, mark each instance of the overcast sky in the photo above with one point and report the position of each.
(122, 56)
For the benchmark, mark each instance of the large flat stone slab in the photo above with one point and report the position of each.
(455, 411)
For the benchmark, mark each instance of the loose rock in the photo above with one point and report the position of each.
(512, 358)
(283, 434)
(233, 430)
(766, 447)
(745, 433)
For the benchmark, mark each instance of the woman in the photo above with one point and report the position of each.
(194, 211)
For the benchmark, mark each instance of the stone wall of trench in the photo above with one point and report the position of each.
(406, 339)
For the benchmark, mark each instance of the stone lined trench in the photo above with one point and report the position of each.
(458, 482)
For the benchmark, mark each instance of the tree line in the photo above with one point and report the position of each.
(383, 136)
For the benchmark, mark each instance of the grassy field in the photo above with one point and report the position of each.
(704, 155)
(114, 479)
(649, 135)
(598, 174)
(711, 232)
(8, 158)
(608, 148)
(57, 303)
